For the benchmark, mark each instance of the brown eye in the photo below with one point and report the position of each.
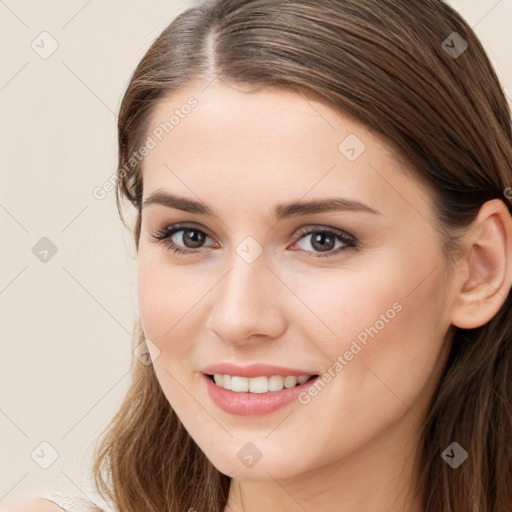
(191, 238)
(324, 241)
(181, 239)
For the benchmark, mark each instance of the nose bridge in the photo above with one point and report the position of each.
(246, 286)
(246, 301)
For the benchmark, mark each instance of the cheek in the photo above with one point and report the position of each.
(387, 353)
(388, 318)
(163, 307)
(154, 298)
(398, 324)
(343, 303)
(166, 294)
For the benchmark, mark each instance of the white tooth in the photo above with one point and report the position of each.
(275, 383)
(290, 382)
(258, 385)
(239, 384)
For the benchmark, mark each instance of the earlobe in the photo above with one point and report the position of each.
(486, 267)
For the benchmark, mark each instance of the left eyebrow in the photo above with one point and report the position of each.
(282, 211)
(322, 205)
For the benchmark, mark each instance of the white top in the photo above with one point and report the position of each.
(71, 503)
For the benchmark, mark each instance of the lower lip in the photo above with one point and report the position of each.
(253, 404)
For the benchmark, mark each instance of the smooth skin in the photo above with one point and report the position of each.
(352, 447)
(242, 154)
(32, 505)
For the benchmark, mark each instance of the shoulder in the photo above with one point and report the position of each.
(54, 501)
(32, 505)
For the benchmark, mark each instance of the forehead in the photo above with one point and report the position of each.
(237, 145)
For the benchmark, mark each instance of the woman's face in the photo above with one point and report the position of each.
(310, 249)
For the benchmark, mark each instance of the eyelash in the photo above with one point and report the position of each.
(164, 235)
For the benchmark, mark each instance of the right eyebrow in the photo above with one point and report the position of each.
(180, 203)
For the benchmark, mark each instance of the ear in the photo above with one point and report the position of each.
(486, 268)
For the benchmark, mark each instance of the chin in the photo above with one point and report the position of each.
(268, 468)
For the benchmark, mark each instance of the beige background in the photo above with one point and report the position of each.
(66, 323)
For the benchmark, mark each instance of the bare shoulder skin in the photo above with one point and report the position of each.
(32, 505)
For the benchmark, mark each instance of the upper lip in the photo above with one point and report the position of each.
(253, 370)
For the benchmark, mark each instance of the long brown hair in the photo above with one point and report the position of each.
(413, 71)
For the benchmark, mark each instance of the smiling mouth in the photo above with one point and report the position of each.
(262, 384)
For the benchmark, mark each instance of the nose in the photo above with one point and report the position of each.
(246, 306)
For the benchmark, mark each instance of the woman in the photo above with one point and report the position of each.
(324, 245)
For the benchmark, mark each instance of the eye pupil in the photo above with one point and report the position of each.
(197, 240)
(318, 242)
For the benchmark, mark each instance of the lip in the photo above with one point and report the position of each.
(253, 404)
(254, 370)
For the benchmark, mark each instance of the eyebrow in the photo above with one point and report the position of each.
(282, 211)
